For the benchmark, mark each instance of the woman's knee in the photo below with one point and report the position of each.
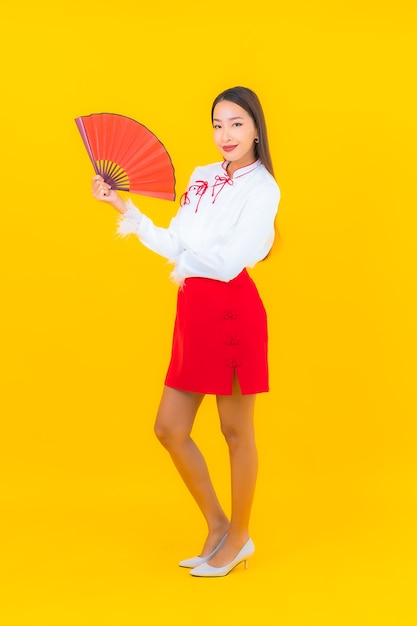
(163, 432)
(235, 436)
(175, 417)
(169, 432)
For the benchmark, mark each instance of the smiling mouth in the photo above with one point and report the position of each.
(229, 148)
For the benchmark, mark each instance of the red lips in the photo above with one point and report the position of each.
(229, 148)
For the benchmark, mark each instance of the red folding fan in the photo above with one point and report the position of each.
(127, 155)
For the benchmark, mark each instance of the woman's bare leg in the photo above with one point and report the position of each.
(174, 422)
(236, 417)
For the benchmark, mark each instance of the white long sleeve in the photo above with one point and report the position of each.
(223, 226)
(160, 240)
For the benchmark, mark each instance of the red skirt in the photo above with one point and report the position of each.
(220, 328)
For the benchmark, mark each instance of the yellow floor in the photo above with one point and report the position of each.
(114, 562)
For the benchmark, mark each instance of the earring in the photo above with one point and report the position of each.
(256, 139)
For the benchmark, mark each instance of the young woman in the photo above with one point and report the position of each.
(225, 224)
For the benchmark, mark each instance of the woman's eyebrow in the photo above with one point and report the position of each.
(215, 119)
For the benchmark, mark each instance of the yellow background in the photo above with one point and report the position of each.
(93, 516)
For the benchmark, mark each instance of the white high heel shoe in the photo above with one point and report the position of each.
(195, 561)
(208, 571)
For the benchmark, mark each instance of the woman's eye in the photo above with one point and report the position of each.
(216, 126)
(237, 124)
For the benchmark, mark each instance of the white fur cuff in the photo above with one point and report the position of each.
(129, 222)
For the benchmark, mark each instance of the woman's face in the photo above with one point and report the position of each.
(234, 134)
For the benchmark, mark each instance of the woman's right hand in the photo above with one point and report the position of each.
(104, 193)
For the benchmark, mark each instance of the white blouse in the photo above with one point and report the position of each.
(222, 226)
